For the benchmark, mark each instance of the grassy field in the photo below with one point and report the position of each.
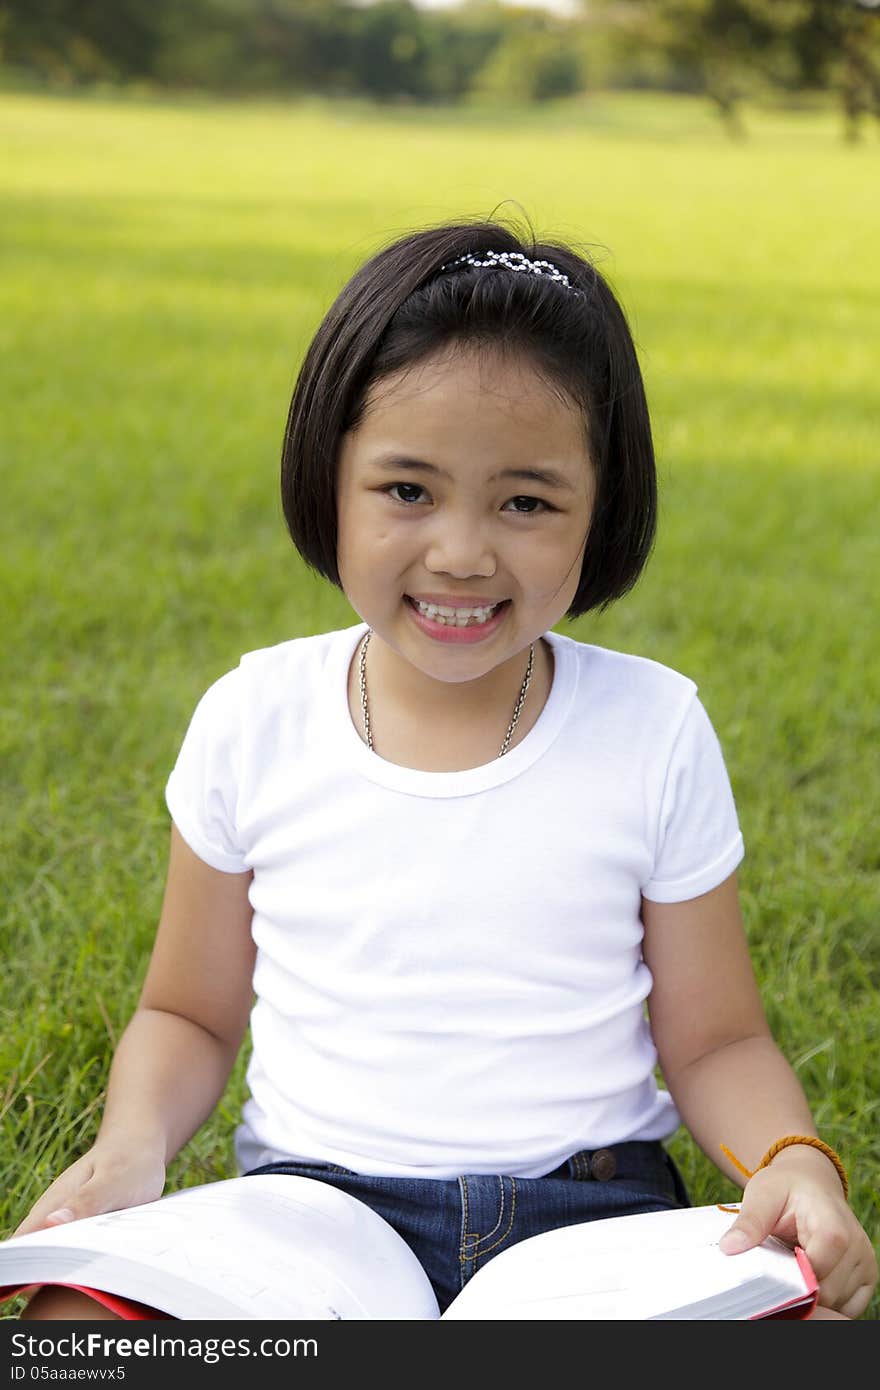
(163, 267)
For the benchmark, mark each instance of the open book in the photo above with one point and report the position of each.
(279, 1247)
(656, 1265)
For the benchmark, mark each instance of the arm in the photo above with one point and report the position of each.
(175, 1057)
(732, 1085)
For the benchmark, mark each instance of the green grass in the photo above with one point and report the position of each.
(163, 266)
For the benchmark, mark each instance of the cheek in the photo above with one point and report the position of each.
(555, 566)
(361, 548)
(555, 553)
(380, 548)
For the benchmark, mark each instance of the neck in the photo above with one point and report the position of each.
(441, 727)
(488, 699)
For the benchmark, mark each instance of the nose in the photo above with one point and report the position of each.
(458, 547)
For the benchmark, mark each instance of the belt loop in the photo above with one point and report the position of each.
(579, 1164)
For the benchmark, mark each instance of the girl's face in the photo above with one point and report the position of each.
(467, 485)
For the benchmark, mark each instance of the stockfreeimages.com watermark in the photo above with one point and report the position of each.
(78, 1346)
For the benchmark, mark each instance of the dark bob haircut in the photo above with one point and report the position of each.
(399, 309)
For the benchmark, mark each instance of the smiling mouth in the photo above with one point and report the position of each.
(447, 616)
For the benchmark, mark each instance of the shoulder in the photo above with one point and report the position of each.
(625, 688)
(300, 657)
(269, 680)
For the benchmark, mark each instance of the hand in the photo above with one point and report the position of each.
(106, 1178)
(795, 1199)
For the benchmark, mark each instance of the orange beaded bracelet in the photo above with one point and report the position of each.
(774, 1149)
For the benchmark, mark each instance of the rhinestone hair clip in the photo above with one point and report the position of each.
(513, 260)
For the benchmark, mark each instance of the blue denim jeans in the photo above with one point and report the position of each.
(455, 1225)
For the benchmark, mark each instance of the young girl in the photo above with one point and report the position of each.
(452, 853)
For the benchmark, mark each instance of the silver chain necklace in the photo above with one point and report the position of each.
(368, 732)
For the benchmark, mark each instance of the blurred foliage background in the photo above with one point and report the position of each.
(483, 50)
(185, 187)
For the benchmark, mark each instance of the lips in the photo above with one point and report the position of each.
(456, 600)
(453, 631)
(457, 615)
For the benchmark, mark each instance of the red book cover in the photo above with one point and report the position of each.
(798, 1309)
(123, 1307)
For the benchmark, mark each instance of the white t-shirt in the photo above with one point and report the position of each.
(449, 976)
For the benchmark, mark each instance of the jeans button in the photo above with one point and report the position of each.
(603, 1165)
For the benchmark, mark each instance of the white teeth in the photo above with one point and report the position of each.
(456, 617)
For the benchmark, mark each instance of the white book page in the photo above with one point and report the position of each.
(269, 1246)
(630, 1267)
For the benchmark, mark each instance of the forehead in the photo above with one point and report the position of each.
(474, 389)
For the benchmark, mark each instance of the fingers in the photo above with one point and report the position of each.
(845, 1290)
(838, 1249)
(38, 1216)
(57, 1210)
(762, 1210)
(846, 1268)
(857, 1303)
(94, 1184)
(67, 1199)
(59, 1217)
(47, 1212)
(826, 1250)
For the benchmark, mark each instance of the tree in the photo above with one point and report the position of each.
(838, 46)
(725, 47)
(720, 47)
(459, 43)
(73, 41)
(534, 61)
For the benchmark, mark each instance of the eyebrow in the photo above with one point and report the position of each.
(544, 477)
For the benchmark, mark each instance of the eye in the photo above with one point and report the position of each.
(406, 490)
(528, 506)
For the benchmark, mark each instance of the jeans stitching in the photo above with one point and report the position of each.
(464, 1256)
(503, 1238)
(500, 1214)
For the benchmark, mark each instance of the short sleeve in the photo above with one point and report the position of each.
(202, 790)
(699, 842)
